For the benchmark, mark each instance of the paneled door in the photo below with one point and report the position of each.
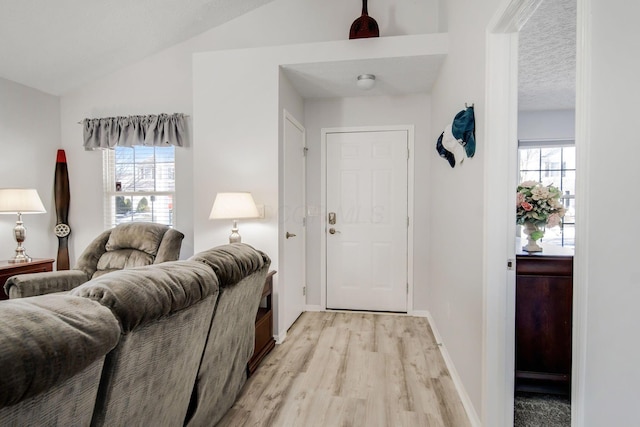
(293, 212)
(367, 220)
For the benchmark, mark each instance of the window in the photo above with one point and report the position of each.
(139, 185)
(552, 162)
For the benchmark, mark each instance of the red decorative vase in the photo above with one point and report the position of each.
(365, 26)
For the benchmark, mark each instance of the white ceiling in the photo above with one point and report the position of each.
(57, 45)
(547, 58)
(394, 76)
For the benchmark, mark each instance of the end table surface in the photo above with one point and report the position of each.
(6, 265)
(8, 269)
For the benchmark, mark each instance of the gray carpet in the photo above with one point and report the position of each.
(541, 410)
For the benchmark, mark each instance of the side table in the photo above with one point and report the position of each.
(264, 341)
(8, 269)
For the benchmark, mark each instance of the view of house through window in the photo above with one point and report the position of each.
(139, 185)
(552, 162)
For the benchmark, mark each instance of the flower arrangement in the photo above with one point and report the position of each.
(539, 204)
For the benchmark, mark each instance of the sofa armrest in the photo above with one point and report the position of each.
(28, 285)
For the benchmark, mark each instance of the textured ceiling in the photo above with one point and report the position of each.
(547, 58)
(57, 45)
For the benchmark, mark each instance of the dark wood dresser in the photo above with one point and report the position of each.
(544, 301)
(8, 269)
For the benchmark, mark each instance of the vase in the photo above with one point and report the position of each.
(533, 233)
(365, 26)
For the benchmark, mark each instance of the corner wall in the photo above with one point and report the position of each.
(607, 268)
(29, 138)
(456, 267)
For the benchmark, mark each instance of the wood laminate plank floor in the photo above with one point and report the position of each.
(351, 369)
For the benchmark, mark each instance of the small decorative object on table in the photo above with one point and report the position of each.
(537, 206)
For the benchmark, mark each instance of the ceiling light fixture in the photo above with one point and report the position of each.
(366, 81)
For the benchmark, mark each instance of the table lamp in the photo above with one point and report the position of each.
(234, 206)
(20, 201)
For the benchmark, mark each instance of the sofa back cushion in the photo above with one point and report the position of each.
(130, 245)
(47, 339)
(232, 262)
(142, 295)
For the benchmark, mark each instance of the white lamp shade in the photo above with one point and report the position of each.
(233, 206)
(20, 200)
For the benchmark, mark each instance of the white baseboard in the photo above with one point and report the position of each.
(280, 337)
(466, 401)
(313, 308)
(421, 313)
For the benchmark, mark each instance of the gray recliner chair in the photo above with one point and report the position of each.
(127, 245)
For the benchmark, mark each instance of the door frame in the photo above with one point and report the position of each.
(410, 129)
(499, 283)
(282, 285)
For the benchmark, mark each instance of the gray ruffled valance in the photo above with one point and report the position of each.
(158, 130)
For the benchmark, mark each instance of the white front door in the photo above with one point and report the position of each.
(293, 212)
(366, 224)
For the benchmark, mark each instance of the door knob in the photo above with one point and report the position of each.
(333, 231)
(289, 235)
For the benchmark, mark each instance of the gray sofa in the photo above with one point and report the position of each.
(162, 345)
(127, 245)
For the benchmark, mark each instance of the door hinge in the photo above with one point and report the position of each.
(407, 288)
(407, 222)
(304, 151)
(304, 221)
(304, 291)
(408, 153)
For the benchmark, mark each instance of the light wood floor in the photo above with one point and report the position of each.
(351, 369)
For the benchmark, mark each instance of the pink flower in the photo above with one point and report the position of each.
(520, 198)
(526, 206)
(553, 220)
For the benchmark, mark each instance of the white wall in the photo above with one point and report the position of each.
(150, 87)
(29, 140)
(555, 124)
(607, 251)
(370, 111)
(456, 262)
(249, 82)
(163, 83)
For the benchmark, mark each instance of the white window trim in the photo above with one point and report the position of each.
(109, 190)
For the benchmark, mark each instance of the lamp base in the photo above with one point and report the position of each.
(20, 256)
(20, 234)
(19, 259)
(235, 236)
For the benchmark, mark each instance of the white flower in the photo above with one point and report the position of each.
(539, 204)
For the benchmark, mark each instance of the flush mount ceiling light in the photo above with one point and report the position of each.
(366, 81)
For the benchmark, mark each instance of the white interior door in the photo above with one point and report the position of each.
(292, 272)
(366, 232)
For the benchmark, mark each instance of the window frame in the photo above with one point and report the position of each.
(109, 186)
(551, 143)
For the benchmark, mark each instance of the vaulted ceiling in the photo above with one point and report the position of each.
(55, 46)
